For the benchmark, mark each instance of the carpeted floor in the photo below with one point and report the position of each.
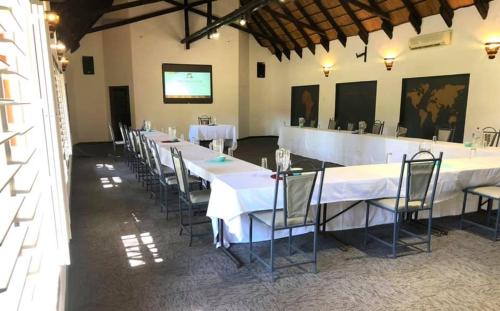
(126, 256)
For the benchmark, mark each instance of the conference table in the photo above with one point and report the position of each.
(346, 148)
(239, 187)
(198, 132)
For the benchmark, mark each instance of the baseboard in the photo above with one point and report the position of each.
(262, 136)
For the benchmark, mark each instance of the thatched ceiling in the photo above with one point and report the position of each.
(281, 27)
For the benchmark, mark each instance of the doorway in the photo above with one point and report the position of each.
(119, 102)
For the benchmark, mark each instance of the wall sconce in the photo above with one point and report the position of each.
(53, 20)
(60, 49)
(389, 62)
(492, 49)
(64, 63)
(327, 69)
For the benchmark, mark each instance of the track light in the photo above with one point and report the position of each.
(214, 34)
(243, 21)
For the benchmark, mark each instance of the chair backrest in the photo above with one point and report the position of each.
(417, 174)
(332, 124)
(112, 133)
(297, 194)
(401, 131)
(138, 145)
(133, 145)
(180, 172)
(147, 151)
(445, 134)
(204, 120)
(156, 158)
(350, 126)
(378, 127)
(490, 136)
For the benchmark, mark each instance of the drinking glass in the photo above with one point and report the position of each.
(263, 162)
(174, 133)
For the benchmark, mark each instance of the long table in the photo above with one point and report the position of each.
(346, 148)
(239, 187)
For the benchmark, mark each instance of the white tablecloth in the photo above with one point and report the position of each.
(210, 132)
(233, 196)
(345, 148)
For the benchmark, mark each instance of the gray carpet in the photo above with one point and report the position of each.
(126, 256)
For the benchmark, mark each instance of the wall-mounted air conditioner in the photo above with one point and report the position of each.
(431, 39)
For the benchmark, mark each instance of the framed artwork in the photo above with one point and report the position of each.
(305, 104)
(354, 102)
(429, 103)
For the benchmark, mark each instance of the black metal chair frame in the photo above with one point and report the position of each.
(185, 199)
(452, 132)
(489, 210)
(398, 130)
(381, 128)
(332, 124)
(204, 120)
(283, 176)
(398, 212)
(496, 135)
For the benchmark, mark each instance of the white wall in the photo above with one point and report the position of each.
(270, 97)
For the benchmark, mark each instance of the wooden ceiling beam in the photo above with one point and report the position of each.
(134, 19)
(296, 47)
(371, 9)
(227, 19)
(340, 34)
(387, 25)
(414, 16)
(277, 52)
(297, 24)
(288, 16)
(199, 2)
(482, 7)
(128, 5)
(270, 31)
(324, 40)
(362, 32)
(186, 23)
(446, 12)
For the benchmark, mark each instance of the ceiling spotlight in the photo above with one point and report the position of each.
(214, 34)
(243, 21)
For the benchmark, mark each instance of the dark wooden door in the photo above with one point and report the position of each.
(119, 102)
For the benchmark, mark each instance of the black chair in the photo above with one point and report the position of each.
(378, 127)
(401, 131)
(332, 124)
(114, 140)
(445, 133)
(204, 120)
(196, 201)
(491, 193)
(490, 136)
(295, 213)
(419, 172)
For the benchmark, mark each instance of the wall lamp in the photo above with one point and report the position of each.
(53, 20)
(60, 49)
(64, 63)
(326, 69)
(389, 62)
(492, 49)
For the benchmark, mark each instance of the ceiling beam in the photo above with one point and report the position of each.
(297, 24)
(362, 32)
(387, 25)
(414, 17)
(324, 40)
(261, 24)
(284, 47)
(209, 15)
(446, 12)
(128, 5)
(134, 19)
(482, 7)
(199, 2)
(340, 34)
(371, 9)
(227, 19)
(288, 16)
(186, 22)
(296, 47)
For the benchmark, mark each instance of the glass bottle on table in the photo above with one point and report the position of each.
(263, 162)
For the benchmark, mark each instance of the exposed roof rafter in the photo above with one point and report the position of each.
(362, 32)
(324, 40)
(340, 34)
(414, 17)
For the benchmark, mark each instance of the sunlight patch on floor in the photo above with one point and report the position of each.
(137, 255)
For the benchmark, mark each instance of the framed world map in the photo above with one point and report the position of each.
(429, 103)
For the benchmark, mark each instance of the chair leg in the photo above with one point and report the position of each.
(190, 225)
(365, 241)
(495, 235)
(429, 231)
(290, 241)
(488, 211)
(250, 235)
(479, 203)
(395, 235)
(463, 211)
(272, 252)
(315, 248)
(325, 206)
(180, 216)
